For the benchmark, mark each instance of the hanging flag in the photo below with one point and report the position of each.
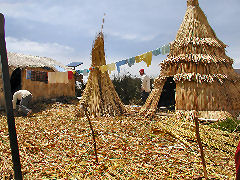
(156, 52)
(139, 58)
(85, 72)
(79, 71)
(28, 74)
(70, 74)
(103, 68)
(111, 67)
(148, 58)
(120, 63)
(131, 61)
(165, 49)
(58, 77)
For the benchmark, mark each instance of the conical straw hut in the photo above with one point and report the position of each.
(203, 73)
(99, 96)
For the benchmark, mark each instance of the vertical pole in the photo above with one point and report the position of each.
(93, 134)
(8, 101)
(196, 120)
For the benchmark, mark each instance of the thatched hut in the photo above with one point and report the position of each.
(99, 96)
(201, 72)
(37, 83)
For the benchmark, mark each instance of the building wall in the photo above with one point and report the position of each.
(207, 96)
(47, 90)
(41, 90)
(2, 98)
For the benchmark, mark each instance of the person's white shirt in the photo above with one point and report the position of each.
(18, 95)
(145, 83)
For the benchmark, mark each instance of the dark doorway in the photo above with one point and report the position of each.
(15, 80)
(167, 98)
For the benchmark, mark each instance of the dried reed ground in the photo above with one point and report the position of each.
(55, 144)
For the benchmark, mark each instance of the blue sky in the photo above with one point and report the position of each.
(65, 29)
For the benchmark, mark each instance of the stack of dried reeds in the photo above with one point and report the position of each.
(202, 71)
(99, 96)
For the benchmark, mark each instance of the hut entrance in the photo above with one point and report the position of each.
(15, 80)
(167, 98)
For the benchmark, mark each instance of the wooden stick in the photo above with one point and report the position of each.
(93, 135)
(8, 103)
(200, 145)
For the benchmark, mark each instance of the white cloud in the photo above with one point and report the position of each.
(45, 12)
(135, 36)
(53, 50)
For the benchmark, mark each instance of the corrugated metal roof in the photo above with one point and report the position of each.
(74, 64)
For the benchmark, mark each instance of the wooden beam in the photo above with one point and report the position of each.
(8, 101)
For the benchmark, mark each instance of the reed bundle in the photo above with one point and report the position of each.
(100, 96)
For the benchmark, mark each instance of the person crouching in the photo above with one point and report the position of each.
(25, 97)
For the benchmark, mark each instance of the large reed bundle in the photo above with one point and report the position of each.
(99, 96)
(203, 73)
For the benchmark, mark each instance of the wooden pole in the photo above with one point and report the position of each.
(8, 101)
(93, 134)
(195, 117)
(200, 145)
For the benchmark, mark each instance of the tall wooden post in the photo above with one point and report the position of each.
(200, 145)
(196, 121)
(8, 101)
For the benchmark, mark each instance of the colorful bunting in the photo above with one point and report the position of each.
(146, 57)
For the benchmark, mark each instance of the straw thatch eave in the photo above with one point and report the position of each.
(197, 41)
(197, 58)
(16, 60)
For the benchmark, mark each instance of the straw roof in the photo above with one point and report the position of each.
(16, 60)
(196, 37)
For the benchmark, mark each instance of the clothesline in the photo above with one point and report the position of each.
(146, 57)
(49, 77)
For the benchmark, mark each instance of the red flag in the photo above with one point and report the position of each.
(70, 74)
(237, 161)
